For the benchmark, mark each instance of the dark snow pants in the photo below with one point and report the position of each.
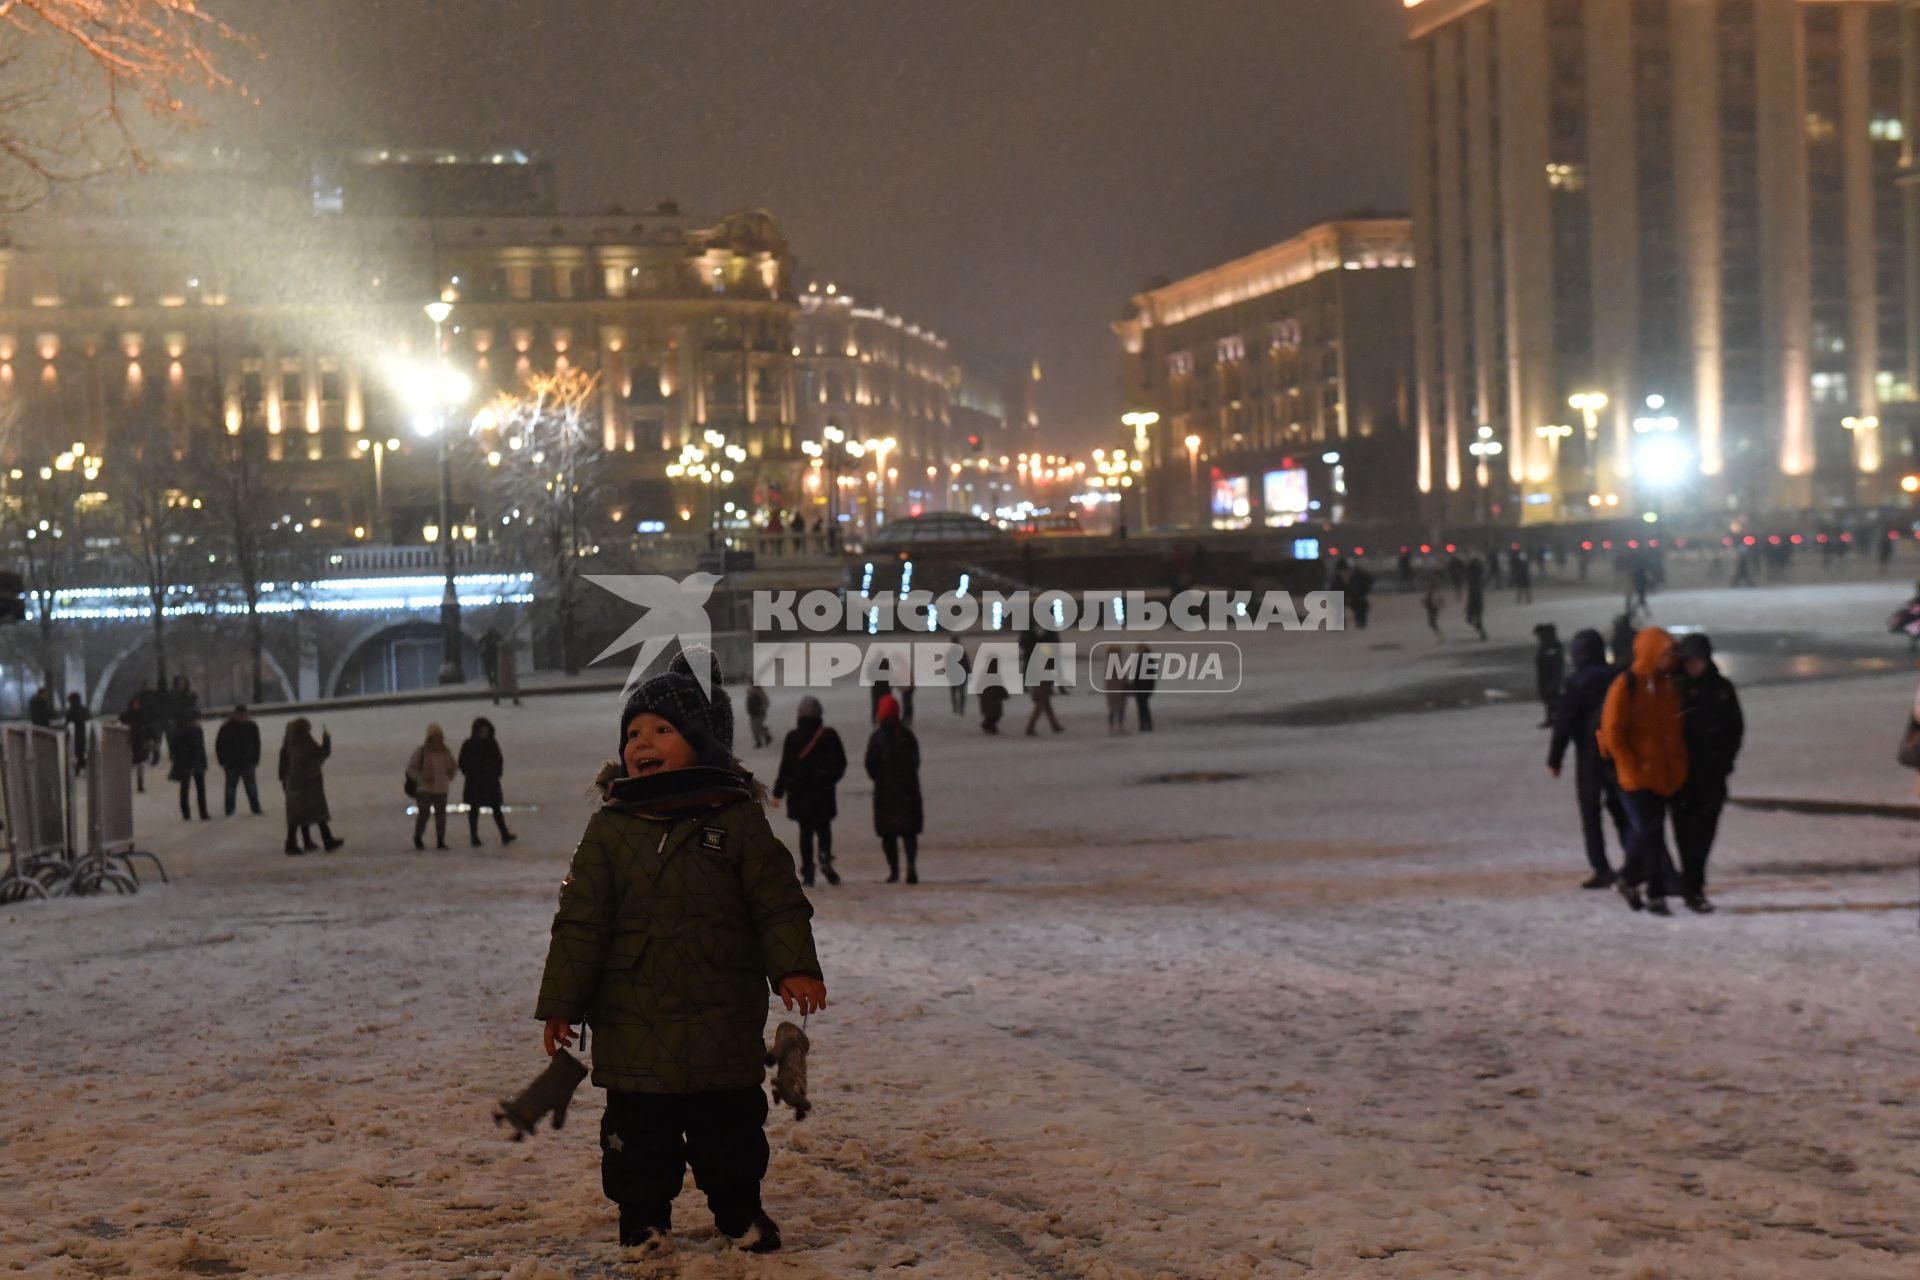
(1648, 860)
(1696, 819)
(647, 1141)
(810, 833)
(1595, 789)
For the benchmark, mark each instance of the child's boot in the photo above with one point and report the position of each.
(647, 1227)
(740, 1218)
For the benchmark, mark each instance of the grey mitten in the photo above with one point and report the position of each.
(551, 1091)
(788, 1058)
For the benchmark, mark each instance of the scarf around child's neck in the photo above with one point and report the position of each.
(675, 791)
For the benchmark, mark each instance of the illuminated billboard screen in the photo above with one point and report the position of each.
(1284, 496)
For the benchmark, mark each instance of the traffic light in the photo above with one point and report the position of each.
(13, 596)
(973, 443)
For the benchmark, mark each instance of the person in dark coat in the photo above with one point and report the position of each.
(893, 762)
(139, 740)
(1621, 642)
(812, 762)
(1457, 575)
(757, 715)
(40, 708)
(1521, 575)
(77, 717)
(1549, 668)
(237, 750)
(302, 761)
(993, 704)
(1575, 722)
(1476, 610)
(1144, 683)
(481, 766)
(1711, 721)
(183, 706)
(187, 750)
(1359, 587)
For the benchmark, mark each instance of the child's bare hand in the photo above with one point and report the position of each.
(557, 1033)
(808, 995)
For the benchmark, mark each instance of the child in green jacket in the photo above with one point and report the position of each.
(680, 910)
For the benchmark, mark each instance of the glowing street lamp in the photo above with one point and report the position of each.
(445, 389)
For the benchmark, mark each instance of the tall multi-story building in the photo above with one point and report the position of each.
(1281, 381)
(873, 375)
(1910, 178)
(1660, 250)
(282, 298)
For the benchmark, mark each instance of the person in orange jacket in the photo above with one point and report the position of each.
(1640, 732)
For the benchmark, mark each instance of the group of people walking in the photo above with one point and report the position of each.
(1655, 733)
(431, 770)
(813, 761)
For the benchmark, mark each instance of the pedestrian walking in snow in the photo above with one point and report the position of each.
(1359, 588)
(77, 718)
(1549, 668)
(236, 747)
(139, 735)
(993, 704)
(1040, 685)
(431, 769)
(1713, 726)
(1620, 643)
(1431, 603)
(187, 756)
(1457, 575)
(1576, 724)
(957, 691)
(812, 762)
(1640, 732)
(1522, 576)
(1638, 580)
(481, 767)
(1144, 683)
(673, 977)
(893, 762)
(302, 764)
(1476, 610)
(1117, 695)
(1743, 568)
(757, 715)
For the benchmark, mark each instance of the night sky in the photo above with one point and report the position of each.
(1005, 171)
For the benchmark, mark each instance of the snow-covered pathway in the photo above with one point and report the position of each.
(1342, 1015)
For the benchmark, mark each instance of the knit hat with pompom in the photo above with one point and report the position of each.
(675, 696)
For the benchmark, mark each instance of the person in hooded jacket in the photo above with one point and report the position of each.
(1712, 723)
(893, 762)
(1640, 732)
(481, 768)
(1549, 669)
(431, 768)
(679, 915)
(302, 765)
(1576, 721)
(812, 762)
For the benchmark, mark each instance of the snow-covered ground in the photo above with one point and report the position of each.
(1342, 1015)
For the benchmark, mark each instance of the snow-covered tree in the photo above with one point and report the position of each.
(544, 460)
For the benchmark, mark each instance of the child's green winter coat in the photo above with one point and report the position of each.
(681, 908)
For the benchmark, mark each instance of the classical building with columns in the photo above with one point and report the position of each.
(1280, 385)
(1661, 253)
(875, 375)
(287, 298)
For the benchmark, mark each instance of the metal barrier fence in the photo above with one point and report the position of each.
(44, 823)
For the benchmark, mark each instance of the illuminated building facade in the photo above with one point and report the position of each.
(872, 376)
(1280, 383)
(282, 301)
(1682, 212)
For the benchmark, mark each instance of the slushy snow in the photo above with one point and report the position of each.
(1344, 1014)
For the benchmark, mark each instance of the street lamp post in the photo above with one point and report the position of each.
(1483, 447)
(1140, 421)
(1193, 476)
(451, 669)
(1589, 404)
